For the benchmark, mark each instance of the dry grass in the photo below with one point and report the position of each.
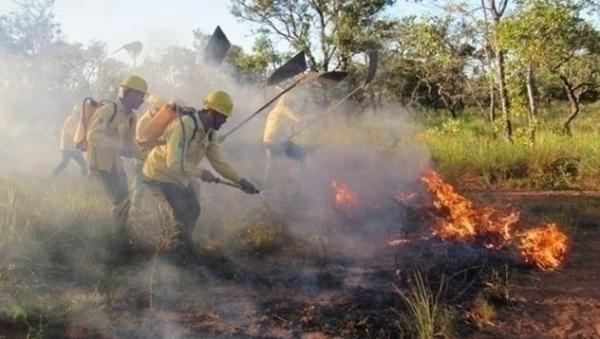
(483, 311)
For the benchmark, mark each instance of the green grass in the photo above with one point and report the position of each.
(426, 315)
(466, 151)
(471, 151)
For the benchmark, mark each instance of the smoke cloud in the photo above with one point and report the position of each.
(57, 270)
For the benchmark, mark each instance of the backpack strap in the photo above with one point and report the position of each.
(114, 104)
(195, 127)
(86, 101)
(185, 145)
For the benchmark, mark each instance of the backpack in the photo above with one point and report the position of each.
(147, 135)
(88, 110)
(157, 126)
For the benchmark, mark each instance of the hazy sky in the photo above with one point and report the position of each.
(157, 23)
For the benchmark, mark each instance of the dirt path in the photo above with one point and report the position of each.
(562, 304)
(565, 303)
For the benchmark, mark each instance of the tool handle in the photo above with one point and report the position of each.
(329, 110)
(227, 183)
(257, 112)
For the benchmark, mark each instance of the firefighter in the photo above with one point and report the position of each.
(155, 102)
(110, 136)
(67, 144)
(172, 165)
(274, 136)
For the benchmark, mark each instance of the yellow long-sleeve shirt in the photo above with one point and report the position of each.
(141, 137)
(178, 158)
(107, 138)
(68, 132)
(141, 124)
(273, 133)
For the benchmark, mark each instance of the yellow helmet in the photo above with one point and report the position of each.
(136, 83)
(219, 101)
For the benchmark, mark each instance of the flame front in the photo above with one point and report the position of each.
(462, 221)
(343, 196)
(545, 247)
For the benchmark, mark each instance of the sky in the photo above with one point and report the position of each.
(165, 22)
(157, 23)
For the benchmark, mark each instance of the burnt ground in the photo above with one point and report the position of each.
(312, 290)
(564, 303)
(561, 304)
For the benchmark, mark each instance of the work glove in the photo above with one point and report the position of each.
(208, 176)
(248, 187)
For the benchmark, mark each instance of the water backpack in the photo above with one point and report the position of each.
(89, 108)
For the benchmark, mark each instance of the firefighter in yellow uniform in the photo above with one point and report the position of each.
(155, 102)
(110, 136)
(274, 136)
(171, 165)
(67, 144)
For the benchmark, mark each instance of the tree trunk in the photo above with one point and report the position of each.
(497, 9)
(448, 102)
(492, 81)
(574, 103)
(532, 117)
(505, 103)
(474, 96)
(492, 103)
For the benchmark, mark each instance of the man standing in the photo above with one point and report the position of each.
(274, 136)
(170, 165)
(67, 144)
(109, 136)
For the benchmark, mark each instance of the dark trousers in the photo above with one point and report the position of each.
(185, 207)
(115, 186)
(68, 155)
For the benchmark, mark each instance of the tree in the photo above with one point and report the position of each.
(35, 61)
(438, 57)
(257, 65)
(493, 11)
(110, 73)
(342, 29)
(31, 27)
(551, 36)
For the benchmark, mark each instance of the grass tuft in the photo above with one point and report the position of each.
(426, 314)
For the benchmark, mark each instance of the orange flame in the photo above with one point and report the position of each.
(343, 196)
(546, 246)
(463, 222)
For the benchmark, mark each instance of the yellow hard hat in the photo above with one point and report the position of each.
(136, 83)
(219, 101)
